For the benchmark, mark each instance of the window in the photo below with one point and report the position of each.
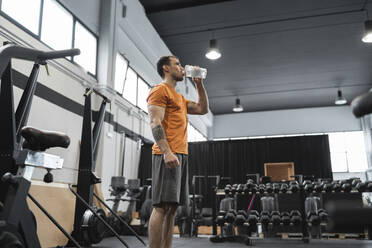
(121, 66)
(347, 152)
(87, 43)
(130, 86)
(25, 12)
(143, 92)
(193, 134)
(56, 30)
(56, 27)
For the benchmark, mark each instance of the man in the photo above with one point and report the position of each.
(168, 111)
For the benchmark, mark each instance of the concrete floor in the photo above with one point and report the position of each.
(203, 242)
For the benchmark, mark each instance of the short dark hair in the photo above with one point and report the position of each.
(165, 60)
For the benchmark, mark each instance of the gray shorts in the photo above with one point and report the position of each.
(170, 185)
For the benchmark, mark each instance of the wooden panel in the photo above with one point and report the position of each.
(58, 200)
(60, 203)
(279, 171)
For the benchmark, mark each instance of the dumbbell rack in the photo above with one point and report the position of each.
(338, 187)
(302, 195)
(304, 190)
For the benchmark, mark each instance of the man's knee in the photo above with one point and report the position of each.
(167, 208)
(172, 209)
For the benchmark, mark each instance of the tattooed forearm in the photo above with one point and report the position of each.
(158, 133)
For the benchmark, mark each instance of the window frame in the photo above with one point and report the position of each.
(125, 76)
(19, 25)
(139, 76)
(38, 35)
(75, 19)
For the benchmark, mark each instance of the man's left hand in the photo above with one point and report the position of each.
(197, 81)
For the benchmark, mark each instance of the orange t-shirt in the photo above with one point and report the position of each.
(175, 117)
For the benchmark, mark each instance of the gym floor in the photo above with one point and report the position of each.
(203, 242)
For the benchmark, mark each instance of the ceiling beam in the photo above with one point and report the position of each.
(180, 5)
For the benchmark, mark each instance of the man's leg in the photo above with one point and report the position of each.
(156, 227)
(168, 226)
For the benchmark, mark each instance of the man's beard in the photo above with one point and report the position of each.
(178, 78)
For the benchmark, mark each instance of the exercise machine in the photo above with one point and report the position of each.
(129, 192)
(90, 223)
(17, 222)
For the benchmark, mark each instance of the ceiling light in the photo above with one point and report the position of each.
(237, 107)
(340, 100)
(213, 52)
(367, 38)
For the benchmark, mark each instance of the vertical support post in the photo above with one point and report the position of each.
(24, 105)
(7, 129)
(85, 187)
(97, 131)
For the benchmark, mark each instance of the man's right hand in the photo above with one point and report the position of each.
(171, 160)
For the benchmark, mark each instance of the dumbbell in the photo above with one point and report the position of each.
(275, 218)
(313, 218)
(261, 188)
(269, 188)
(230, 216)
(242, 212)
(361, 187)
(318, 188)
(286, 220)
(254, 188)
(240, 188)
(246, 188)
(253, 219)
(276, 188)
(294, 186)
(233, 189)
(220, 219)
(240, 218)
(227, 189)
(306, 182)
(265, 218)
(250, 182)
(369, 186)
(322, 215)
(296, 218)
(254, 212)
(327, 187)
(355, 182)
(308, 186)
(284, 188)
(346, 187)
(336, 186)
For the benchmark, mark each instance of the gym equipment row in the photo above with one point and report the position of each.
(22, 149)
(344, 186)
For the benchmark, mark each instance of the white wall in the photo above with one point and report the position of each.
(282, 122)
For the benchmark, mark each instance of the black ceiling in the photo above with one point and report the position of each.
(275, 54)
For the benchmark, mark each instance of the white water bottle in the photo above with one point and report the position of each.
(192, 71)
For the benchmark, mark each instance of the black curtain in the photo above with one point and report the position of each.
(236, 158)
(144, 170)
